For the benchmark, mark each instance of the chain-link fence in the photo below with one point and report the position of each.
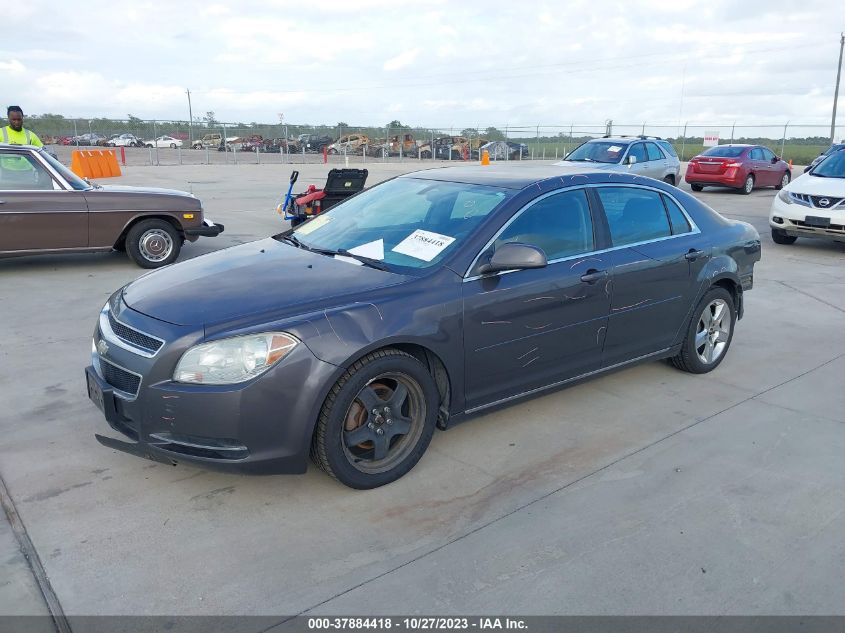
(180, 141)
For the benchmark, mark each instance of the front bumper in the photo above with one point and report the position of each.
(262, 426)
(798, 220)
(208, 229)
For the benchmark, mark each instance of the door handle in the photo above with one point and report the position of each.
(593, 275)
(693, 254)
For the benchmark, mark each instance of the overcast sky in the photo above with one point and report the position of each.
(427, 62)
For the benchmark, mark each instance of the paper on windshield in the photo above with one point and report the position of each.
(614, 148)
(423, 245)
(373, 250)
(313, 225)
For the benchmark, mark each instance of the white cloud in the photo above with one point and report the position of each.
(402, 60)
(13, 66)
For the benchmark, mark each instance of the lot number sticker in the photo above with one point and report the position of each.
(423, 245)
(318, 222)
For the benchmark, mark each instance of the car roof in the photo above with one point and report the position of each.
(16, 146)
(513, 176)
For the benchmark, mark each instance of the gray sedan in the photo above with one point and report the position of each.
(638, 156)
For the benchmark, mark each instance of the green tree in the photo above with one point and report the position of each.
(494, 134)
(209, 119)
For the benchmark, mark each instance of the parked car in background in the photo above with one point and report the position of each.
(639, 155)
(164, 141)
(310, 143)
(208, 141)
(741, 167)
(506, 150)
(404, 308)
(833, 148)
(813, 205)
(349, 144)
(88, 139)
(124, 140)
(47, 208)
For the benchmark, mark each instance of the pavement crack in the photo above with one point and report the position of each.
(552, 493)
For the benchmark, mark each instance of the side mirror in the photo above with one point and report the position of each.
(514, 256)
(775, 159)
(631, 160)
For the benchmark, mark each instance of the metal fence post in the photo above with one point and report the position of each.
(257, 157)
(732, 132)
(783, 140)
(155, 140)
(207, 157)
(684, 141)
(179, 153)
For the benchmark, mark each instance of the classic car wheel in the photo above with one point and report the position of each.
(173, 146)
(696, 187)
(377, 420)
(784, 180)
(709, 333)
(153, 243)
(779, 236)
(748, 187)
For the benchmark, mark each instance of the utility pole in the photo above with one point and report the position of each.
(190, 119)
(836, 92)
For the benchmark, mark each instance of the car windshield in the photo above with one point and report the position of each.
(73, 180)
(724, 152)
(406, 223)
(599, 152)
(831, 167)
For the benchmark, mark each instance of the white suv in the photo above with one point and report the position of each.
(638, 155)
(812, 205)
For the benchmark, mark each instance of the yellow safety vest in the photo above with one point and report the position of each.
(24, 137)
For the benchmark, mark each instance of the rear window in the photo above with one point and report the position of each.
(724, 152)
(667, 146)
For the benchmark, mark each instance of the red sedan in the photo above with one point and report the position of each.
(741, 167)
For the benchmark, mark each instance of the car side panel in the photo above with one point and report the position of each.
(34, 220)
(112, 212)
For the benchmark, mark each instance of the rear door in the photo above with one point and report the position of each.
(36, 211)
(772, 172)
(657, 163)
(656, 256)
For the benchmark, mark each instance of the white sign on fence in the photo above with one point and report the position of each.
(711, 138)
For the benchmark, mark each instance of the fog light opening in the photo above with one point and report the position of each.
(777, 219)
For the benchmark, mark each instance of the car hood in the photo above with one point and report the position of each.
(142, 190)
(585, 164)
(814, 186)
(264, 277)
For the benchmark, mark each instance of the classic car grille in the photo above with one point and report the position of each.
(134, 337)
(119, 378)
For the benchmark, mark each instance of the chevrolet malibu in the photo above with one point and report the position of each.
(410, 306)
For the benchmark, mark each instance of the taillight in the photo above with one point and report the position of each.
(733, 165)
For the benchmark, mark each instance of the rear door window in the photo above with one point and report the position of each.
(653, 152)
(679, 221)
(634, 214)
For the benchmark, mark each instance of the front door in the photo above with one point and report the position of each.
(35, 212)
(526, 329)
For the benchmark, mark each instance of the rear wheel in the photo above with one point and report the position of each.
(670, 179)
(784, 180)
(377, 420)
(696, 187)
(779, 236)
(153, 243)
(173, 146)
(709, 333)
(748, 185)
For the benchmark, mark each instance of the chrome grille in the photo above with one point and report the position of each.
(831, 202)
(134, 337)
(120, 378)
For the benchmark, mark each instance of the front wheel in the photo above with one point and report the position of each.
(779, 236)
(669, 180)
(149, 145)
(709, 333)
(153, 243)
(784, 180)
(377, 420)
(748, 185)
(697, 187)
(173, 146)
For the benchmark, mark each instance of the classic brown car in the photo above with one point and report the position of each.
(46, 208)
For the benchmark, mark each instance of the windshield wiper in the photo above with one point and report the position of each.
(367, 261)
(295, 241)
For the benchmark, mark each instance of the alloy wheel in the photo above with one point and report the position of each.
(713, 332)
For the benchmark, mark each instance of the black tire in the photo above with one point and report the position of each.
(669, 180)
(784, 180)
(699, 338)
(748, 185)
(697, 187)
(173, 146)
(149, 145)
(425, 154)
(372, 385)
(779, 236)
(153, 243)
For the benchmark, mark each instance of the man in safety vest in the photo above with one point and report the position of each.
(15, 133)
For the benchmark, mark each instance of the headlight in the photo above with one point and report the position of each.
(233, 360)
(784, 196)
